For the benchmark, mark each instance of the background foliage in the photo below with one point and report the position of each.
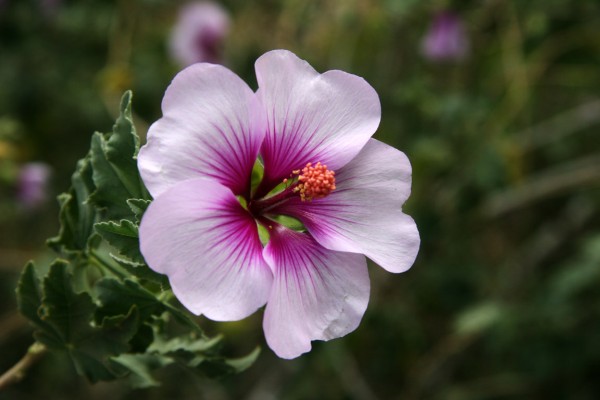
(503, 301)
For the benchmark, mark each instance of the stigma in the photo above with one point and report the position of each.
(314, 182)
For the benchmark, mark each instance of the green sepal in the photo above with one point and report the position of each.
(258, 172)
(290, 222)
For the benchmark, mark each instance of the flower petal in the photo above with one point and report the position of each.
(363, 215)
(317, 294)
(198, 234)
(310, 116)
(211, 127)
(199, 32)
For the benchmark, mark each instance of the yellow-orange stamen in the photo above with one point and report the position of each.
(314, 182)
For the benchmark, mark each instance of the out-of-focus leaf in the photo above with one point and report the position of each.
(115, 168)
(219, 366)
(140, 367)
(579, 274)
(201, 354)
(77, 215)
(243, 363)
(188, 351)
(189, 343)
(478, 318)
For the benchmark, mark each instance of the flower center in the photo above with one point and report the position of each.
(309, 183)
(314, 182)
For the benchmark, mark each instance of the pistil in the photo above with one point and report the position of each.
(260, 206)
(312, 182)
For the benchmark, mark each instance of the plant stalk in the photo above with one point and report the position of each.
(35, 352)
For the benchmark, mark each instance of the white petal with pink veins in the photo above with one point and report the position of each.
(364, 215)
(211, 127)
(312, 117)
(197, 233)
(317, 294)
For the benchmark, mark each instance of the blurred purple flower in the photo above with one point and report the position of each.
(446, 39)
(32, 185)
(313, 134)
(50, 7)
(199, 33)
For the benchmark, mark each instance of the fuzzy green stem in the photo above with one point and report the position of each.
(102, 263)
(35, 352)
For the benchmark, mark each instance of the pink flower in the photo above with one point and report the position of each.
(50, 7)
(446, 39)
(32, 185)
(313, 132)
(199, 33)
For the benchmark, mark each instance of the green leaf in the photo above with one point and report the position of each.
(140, 367)
(117, 297)
(184, 319)
(116, 174)
(68, 325)
(66, 310)
(123, 236)
(91, 355)
(29, 296)
(201, 354)
(190, 343)
(138, 207)
(243, 363)
(478, 318)
(216, 367)
(141, 271)
(77, 215)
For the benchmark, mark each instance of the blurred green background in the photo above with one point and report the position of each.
(503, 301)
